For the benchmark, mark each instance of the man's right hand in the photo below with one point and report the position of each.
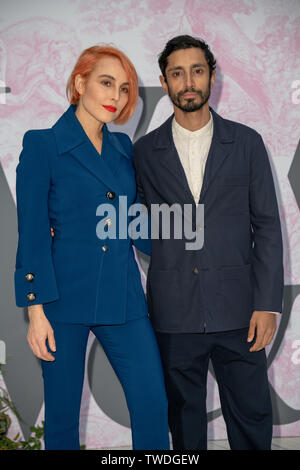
(38, 332)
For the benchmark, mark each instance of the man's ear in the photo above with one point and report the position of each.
(164, 84)
(212, 79)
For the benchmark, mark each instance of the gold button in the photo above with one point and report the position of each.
(29, 277)
(110, 194)
(195, 270)
(31, 297)
(105, 248)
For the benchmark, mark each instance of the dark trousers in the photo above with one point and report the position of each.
(243, 387)
(132, 351)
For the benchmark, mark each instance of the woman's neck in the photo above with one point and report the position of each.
(91, 126)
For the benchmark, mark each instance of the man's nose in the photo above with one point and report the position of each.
(189, 82)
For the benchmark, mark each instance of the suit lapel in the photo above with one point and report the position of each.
(71, 138)
(216, 157)
(169, 159)
(218, 152)
(88, 157)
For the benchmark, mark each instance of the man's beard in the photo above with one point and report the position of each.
(190, 105)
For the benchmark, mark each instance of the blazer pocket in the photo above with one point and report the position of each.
(235, 272)
(236, 180)
(164, 298)
(233, 194)
(236, 291)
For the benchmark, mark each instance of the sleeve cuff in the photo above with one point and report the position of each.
(33, 287)
(277, 313)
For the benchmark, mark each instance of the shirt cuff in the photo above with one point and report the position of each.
(277, 313)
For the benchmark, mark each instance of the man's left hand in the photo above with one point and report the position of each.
(265, 325)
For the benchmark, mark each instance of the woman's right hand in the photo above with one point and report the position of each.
(38, 332)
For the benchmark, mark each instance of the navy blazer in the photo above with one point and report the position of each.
(239, 269)
(61, 180)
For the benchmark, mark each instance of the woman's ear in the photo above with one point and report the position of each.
(79, 83)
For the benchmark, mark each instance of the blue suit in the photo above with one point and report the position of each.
(85, 282)
(61, 180)
(239, 269)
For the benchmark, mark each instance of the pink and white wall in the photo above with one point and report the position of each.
(256, 44)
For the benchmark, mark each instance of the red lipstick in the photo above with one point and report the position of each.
(112, 109)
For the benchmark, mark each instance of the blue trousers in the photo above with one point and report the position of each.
(243, 387)
(133, 353)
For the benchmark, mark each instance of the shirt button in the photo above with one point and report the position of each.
(105, 248)
(29, 277)
(195, 270)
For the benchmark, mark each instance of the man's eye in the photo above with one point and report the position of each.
(176, 74)
(198, 71)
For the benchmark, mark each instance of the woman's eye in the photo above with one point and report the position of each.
(105, 83)
(125, 90)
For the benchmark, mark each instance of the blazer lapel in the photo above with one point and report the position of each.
(218, 152)
(88, 156)
(71, 138)
(170, 160)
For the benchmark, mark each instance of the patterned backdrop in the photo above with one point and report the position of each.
(256, 44)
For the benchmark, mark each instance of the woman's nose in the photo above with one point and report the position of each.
(116, 94)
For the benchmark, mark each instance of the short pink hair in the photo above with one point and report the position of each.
(85, 65)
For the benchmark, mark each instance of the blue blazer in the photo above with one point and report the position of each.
(239, 269)
(61, 180)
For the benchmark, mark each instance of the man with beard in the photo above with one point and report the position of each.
(218, 302)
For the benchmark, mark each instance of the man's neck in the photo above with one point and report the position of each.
(192, 121)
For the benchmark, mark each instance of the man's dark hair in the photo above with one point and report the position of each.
(185, 42)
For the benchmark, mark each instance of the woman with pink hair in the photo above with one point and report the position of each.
(74, 282)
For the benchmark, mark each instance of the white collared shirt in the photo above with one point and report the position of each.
(192, 148)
